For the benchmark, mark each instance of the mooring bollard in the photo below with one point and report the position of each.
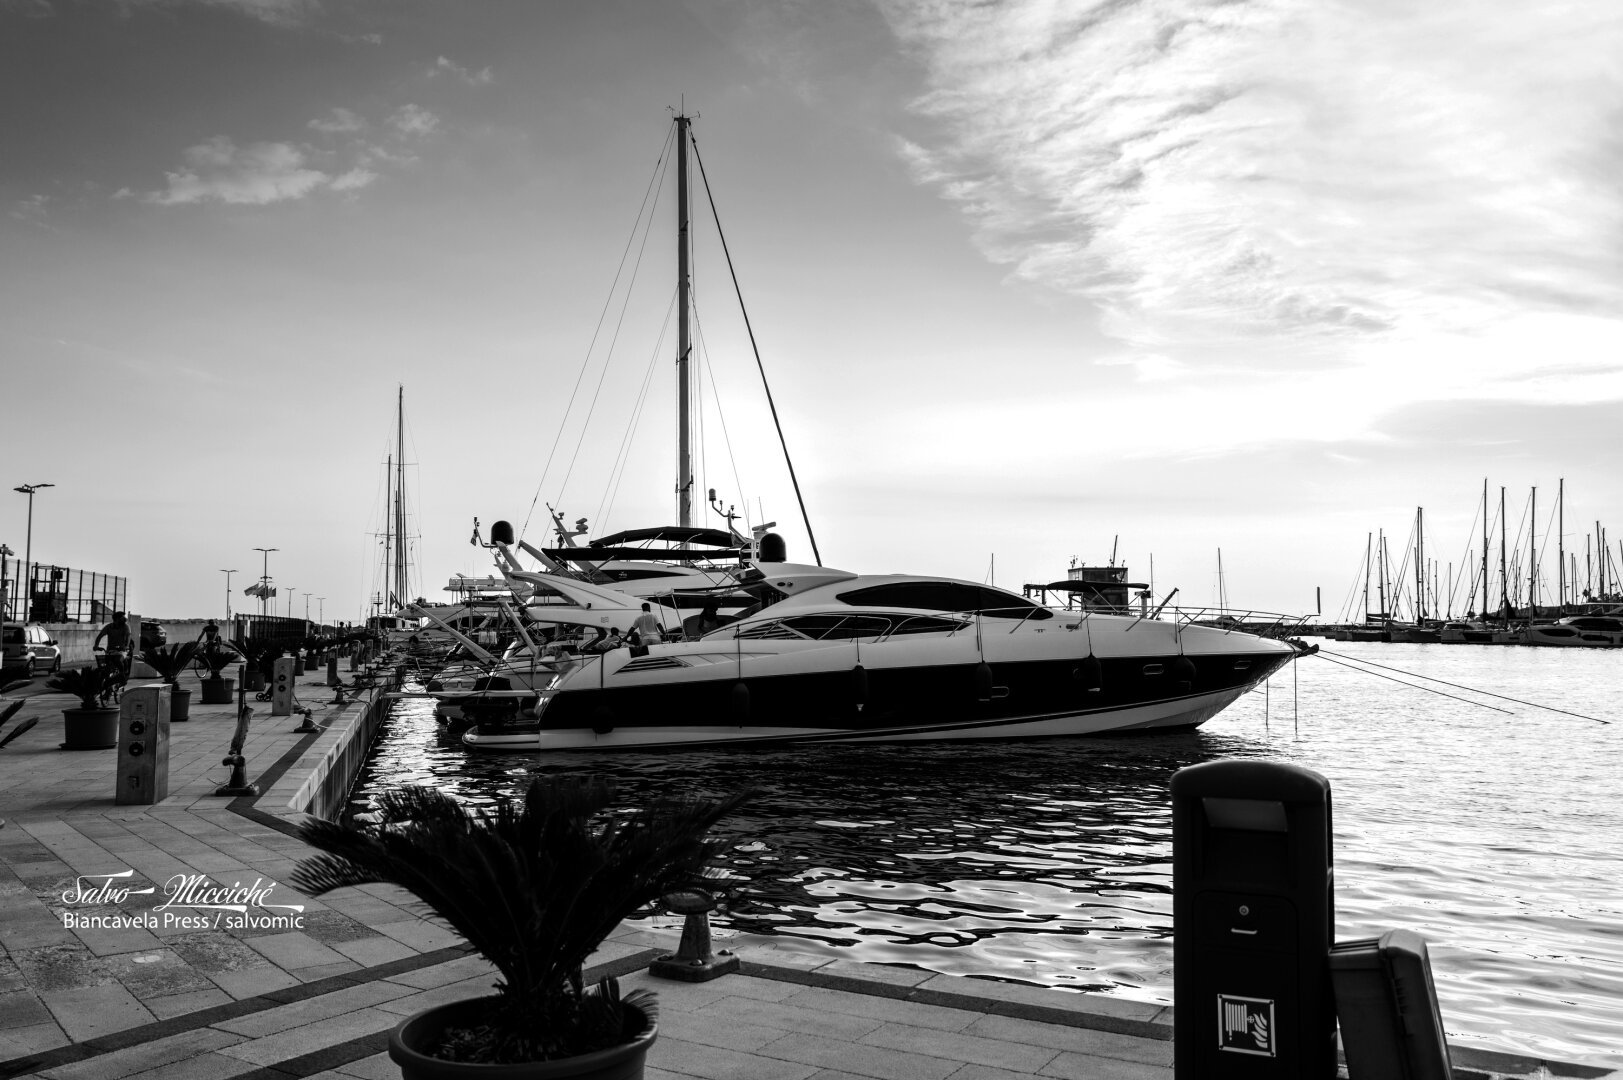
(693, 961)
(332, 669)
(238, 784)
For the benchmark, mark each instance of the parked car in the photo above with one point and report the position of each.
(29, 648)
(153, 634)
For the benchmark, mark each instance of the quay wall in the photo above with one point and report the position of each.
(331, 776)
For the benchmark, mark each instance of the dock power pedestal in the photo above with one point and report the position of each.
(143, 746)
(1253, 920)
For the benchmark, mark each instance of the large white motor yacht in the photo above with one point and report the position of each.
(837, 656)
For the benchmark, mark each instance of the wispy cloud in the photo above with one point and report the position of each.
(219, 170)
(442, 66)
(31, 209)
(413, 121)
(337, 121)
(260, 173)
(1217, 172)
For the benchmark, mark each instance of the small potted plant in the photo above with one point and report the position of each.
(169, 661)
(259, 655)
(94, 724)
(535, 885)
(217, 656)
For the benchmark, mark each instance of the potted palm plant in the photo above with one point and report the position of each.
(259, 654)
(217, 656)
(94, 724)
(535, 885)
(169, 661)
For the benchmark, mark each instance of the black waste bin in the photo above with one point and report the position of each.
(1253, 920)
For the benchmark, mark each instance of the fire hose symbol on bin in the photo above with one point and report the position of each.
(1245, 1025)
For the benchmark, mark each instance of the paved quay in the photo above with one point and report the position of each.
(314, 995)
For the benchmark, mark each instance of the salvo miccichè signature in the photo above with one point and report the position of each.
(191, 902)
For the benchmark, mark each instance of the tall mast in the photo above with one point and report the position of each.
(401, 554)
(1560, 546)
(1367, 537)
(684, 449)
(1380, 562)
(1483, 610)
(1419, 565)
(388, 531)
(1532, 556)
(1504, 570)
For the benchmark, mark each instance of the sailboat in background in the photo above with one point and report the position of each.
(387, 615)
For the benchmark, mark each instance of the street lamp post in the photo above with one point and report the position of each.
(264, 580)
(6, 601)
(228, 574)
(320, 618)
(290, 601)
(306, 607)
(28, 549)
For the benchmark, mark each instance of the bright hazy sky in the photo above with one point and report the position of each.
(1026, 277)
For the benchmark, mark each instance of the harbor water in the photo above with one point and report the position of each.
(1496, 835)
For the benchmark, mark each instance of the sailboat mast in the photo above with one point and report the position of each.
(1561, 546)
(1419, 565)
(1532, 556)
(1483, 610)
(1380, 562)
(1504, 571)
(400, 550)
(388, 529)
(684, 448)
(1367, 538)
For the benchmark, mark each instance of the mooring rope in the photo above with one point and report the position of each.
(1414, 686)
(1327, 654)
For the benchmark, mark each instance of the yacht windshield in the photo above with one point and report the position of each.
(946, 596)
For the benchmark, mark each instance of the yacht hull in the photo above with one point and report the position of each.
(837, 693)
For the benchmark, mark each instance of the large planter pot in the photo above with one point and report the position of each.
(89, 729)
(309, 661)
(623, 1062)
(217, 691)
(254, 680)
(180, 704)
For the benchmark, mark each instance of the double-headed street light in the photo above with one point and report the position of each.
(320, 618)
(28, 549)
(228, 574)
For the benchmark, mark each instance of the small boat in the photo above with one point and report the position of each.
(1576, 631)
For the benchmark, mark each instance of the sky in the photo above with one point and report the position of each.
(1032, 282)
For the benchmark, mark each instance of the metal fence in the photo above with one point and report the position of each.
(60, 594)
(269, 628)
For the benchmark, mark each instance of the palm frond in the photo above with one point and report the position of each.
(534, 884)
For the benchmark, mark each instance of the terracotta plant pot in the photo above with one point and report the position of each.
(623, 1062)
(180, 704)
(90, 729)
(217, 691)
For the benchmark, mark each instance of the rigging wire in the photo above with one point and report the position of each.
(655, 185)
(623, 455)
(793, 479)
(1485, 693)
(602, 377)
(721, 417)
(1414, 686)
